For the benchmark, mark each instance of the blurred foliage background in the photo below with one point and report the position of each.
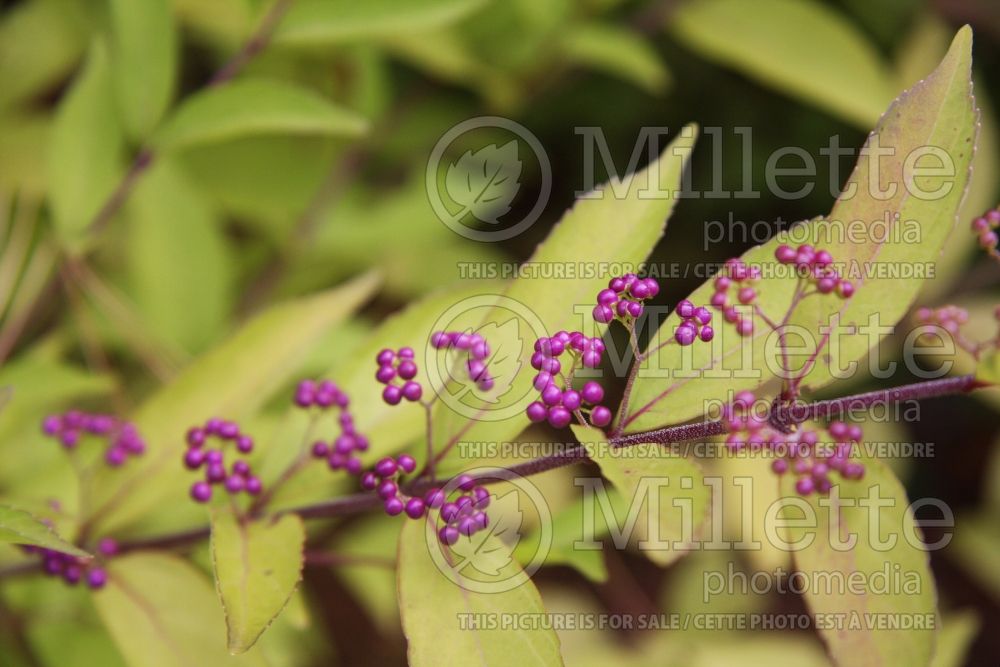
(170, 169)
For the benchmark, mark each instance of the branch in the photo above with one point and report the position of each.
(783, 416)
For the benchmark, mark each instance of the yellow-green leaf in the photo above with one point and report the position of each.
(180, 270)
(619, 52)
(874, 513)
(161, 612)
(668, 529)
(433, 606)
(257, 565)
(85, 148)
(319, 22)
(250, 107)
(19, 527)
(144, 62)
(798, 46)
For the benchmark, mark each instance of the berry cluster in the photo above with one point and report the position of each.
(694, 323)
(122, 437)
(736, 279)
(478, 352)
(624, 297)
(74, 570)
(71, 569)
(396, 371)
(816, 266)
(341, 452)
(802, 452)
(986, 227)
(558, 404)
(238, 479)
(949, 318)
(464, 516)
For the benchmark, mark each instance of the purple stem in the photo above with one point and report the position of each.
(784, 415)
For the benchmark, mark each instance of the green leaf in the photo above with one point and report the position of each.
(180, 270)
(620, 52)
(321, 22)
(257, 565)
(85, 150)
(955, 639)
(637, 208)
(144, 62)
(567, 529)
(231, 380)
(161, 612)
(798, 46)
(885, 532)
(19, 527)
(640, 477)
(40, 43)
(432, 606)
(938, 113)
(24, 139)
(249, 107)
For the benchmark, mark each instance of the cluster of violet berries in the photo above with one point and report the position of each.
(558, 404)
(478, 352)
(340, 453)
(122, 437)
(736, 280)
(464, 516)
(695, 323)
(800, 452)
(396, 371)
(238, 478)
(816, 266)
(74, 570)
(985, 226)
(623, 298)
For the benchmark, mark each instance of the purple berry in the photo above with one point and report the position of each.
(387, 490)
(571, 399)
(320, 449)
(412, 391)
(386, 468)
(415, 508)
(551, 395)
(393, 506)
(434, 498)
(392, 395)
(537, 412)
(369, 481)
(201, 492)
(385, 357)
(407, 463)
(407, 369)
(244, 444)
(448, 535)
(449, 511)
(465, 482)
(559, 417)
(253, 485)
(234, 484)
(600, 416)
